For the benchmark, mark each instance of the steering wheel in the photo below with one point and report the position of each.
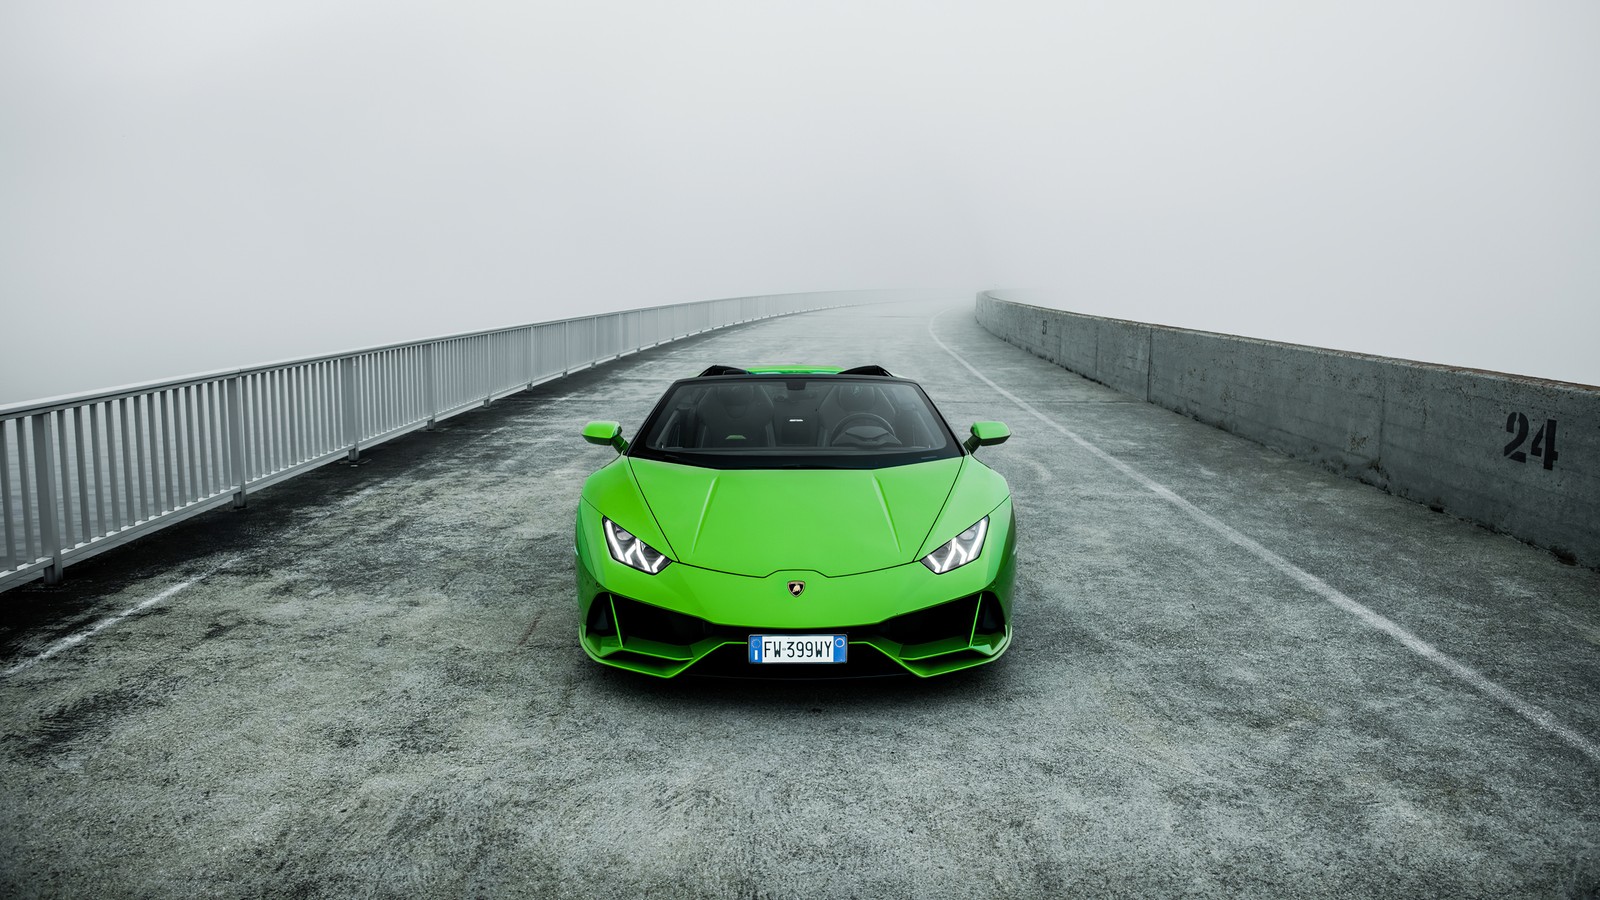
(857, 419)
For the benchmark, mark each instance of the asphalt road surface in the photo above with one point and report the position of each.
(1233, 674)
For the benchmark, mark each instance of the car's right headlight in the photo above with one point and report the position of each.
(626, 548)
(959, 550)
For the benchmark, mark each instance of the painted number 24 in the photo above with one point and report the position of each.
(1544, 441)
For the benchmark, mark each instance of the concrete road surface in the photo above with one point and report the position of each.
(1234, 674)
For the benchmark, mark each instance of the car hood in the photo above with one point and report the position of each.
(760, 521)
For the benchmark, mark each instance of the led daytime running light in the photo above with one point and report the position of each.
(626, 548)
(959, 550)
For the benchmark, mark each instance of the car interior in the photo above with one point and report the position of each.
(798, 413)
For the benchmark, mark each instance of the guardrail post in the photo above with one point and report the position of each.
(347, 384)
(488, 370)
(531, 355)
(44, 472)
(236, 466)
(429, 391)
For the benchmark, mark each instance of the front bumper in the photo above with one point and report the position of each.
(903, 618)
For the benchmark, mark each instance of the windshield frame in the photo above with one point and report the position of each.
(765, 458)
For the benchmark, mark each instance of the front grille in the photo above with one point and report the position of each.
(991, 617)
(600, 622)
(936, 623)
(652, 623)
(733, 661)
(926, 634)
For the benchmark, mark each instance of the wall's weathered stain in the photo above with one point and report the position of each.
(1434, 434)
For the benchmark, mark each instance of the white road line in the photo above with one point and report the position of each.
(1460, 671)
(72, 640)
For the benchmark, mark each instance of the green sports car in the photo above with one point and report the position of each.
(798, 521)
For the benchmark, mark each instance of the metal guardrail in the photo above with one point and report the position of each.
(84, 473)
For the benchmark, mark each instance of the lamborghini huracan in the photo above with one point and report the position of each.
(798, 521)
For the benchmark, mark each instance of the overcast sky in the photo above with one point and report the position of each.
(197, 185)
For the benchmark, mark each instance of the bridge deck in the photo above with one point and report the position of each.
(1233, 673)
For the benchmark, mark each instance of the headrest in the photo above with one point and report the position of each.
(857, 397)
(734, 395)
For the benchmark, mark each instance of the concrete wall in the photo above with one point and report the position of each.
(1434, 434)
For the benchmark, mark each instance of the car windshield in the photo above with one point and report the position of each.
(795, 422)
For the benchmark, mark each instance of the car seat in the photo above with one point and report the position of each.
(735, 415)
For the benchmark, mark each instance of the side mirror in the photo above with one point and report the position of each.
(605, 434)
(986, 434)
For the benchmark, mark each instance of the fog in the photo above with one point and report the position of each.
(193, 185)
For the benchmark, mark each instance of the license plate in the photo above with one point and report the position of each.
(797, 648)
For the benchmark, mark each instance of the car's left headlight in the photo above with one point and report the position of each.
(626, 548)
(959, 550)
